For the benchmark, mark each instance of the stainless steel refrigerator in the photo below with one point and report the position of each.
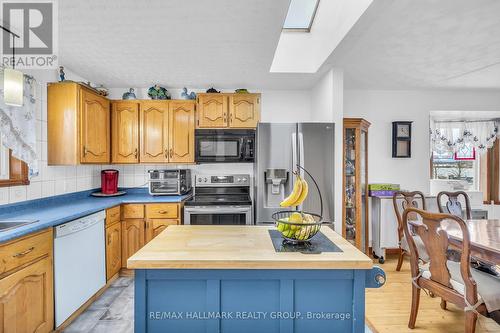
(279, 148)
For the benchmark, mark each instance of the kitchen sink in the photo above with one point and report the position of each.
(11, 224)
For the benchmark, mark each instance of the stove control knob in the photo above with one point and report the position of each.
(199, 180)
(205, 180)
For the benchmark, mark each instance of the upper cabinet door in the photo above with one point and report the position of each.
(94, 128)
(154, 132)
(212, 111)
(181, 132)
(125, 132)
(244, 110)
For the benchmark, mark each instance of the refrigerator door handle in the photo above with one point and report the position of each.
(301, 154)
(294, 152)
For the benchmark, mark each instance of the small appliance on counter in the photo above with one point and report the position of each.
(109, 184)
(109, 181)
(169, 182)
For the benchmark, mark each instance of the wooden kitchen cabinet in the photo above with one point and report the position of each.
(212, 110)
(78, 125)
(155, 226)
(228, 110)
(244, 110)
(26, 287)
(133, 211)
(163, 211)
(154, 132)
(125, 132)
(133, 237)
(181, 131)
(113, 250)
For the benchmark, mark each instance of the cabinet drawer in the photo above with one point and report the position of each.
(133, 211)
(162, 211)
(19, 252)
(112, 215)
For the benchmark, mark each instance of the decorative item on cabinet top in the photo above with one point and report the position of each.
(157, 92)
(185, 95)
(130, 94)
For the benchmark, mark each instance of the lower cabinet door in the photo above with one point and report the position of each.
(132, 238)
(155, 226)
(27, 299)
(113, 250)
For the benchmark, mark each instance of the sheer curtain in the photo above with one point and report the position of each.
(453, 135)
(18, 125)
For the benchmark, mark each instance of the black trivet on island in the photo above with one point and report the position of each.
(318, 244)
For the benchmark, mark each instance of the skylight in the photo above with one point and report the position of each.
(300, 15)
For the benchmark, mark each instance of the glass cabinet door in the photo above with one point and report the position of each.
(355, 205)
(350, 184)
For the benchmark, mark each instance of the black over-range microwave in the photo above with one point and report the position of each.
(224, 145)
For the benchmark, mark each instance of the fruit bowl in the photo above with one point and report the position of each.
(297, 226)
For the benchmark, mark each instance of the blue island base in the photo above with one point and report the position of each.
(241, 301)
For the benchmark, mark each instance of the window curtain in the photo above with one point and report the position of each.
(452, 135)
(18, 125)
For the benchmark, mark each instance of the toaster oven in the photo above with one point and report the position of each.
(169, 182)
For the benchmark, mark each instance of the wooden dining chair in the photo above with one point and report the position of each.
(452, 281)
(410, 199)
(453, 205)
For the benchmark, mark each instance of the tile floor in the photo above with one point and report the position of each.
(113, 311)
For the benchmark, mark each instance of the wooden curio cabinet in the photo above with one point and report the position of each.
(355, 179)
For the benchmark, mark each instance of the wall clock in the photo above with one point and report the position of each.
(401, 139)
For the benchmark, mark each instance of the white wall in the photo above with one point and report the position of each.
(327, 105)
(381, 108)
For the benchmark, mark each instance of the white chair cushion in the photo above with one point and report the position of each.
(488, 286)
(422, 253)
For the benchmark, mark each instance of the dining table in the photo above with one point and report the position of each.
(484, 238)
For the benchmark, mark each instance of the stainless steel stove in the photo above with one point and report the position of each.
(220, 200)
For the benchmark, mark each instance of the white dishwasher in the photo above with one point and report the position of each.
(79, 263)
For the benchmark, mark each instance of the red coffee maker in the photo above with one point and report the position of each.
(109, 181)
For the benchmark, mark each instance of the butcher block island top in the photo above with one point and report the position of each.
(238, 247)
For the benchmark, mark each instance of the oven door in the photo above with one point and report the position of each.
(218, 215)
(218, 149)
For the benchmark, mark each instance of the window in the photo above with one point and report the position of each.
(461, 167)
(12, 171)
(300, 15)
(4, 162)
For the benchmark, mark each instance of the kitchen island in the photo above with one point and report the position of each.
(231, 279)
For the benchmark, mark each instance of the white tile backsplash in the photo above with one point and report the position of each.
(17, 193)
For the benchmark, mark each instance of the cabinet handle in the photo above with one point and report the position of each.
(109, 239)
(230, 118)
(163, 211)
(166, 152)
(85, 150)
(135, 152)
(22, 254)
(171, 153)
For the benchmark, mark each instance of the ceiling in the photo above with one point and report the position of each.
(404, 44)
(396, 44)
(177, 43)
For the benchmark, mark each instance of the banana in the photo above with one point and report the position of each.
(292, 198)
(303, 194)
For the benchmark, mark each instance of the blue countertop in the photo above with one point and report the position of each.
(59, 209)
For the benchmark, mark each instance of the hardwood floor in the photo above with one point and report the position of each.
(388, 308)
